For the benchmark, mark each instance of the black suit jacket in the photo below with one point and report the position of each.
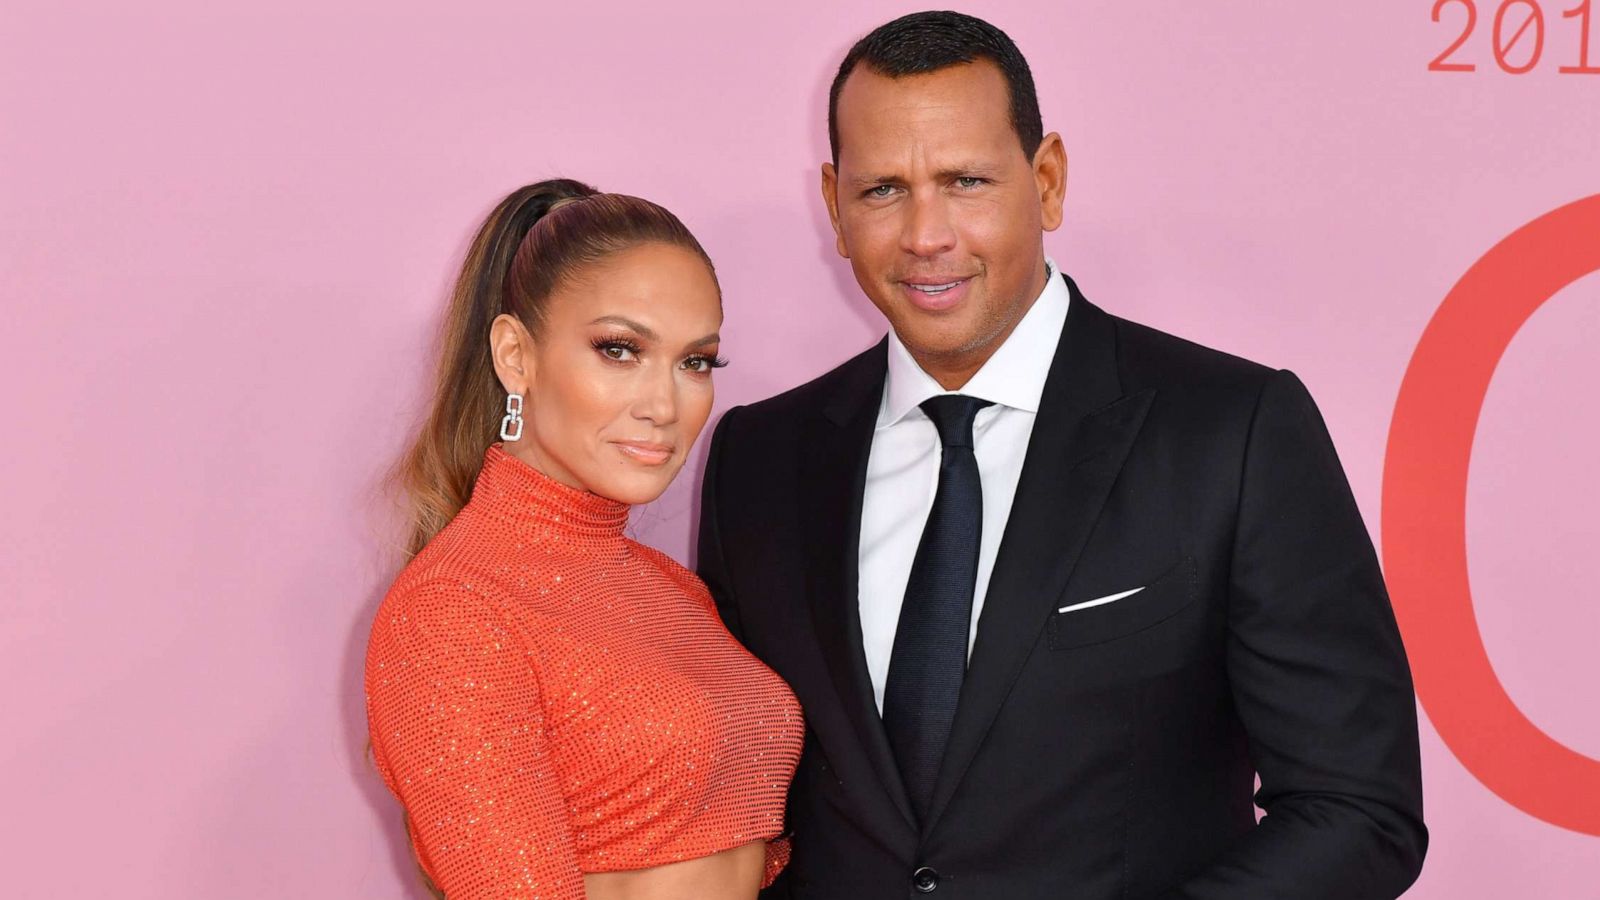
(1108, 752)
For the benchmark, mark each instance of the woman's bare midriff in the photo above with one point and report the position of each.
(733, 874)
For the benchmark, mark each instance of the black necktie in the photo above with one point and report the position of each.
(929, 658)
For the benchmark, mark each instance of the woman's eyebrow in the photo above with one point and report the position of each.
(630, 324)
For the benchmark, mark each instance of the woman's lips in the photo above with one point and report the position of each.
(935, 295)
(645, 452)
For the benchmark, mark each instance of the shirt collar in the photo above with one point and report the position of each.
(1014, 376)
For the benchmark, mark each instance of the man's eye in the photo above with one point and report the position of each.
(968, 181)
(882, 190)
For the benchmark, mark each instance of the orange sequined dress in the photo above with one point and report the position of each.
(548, 698)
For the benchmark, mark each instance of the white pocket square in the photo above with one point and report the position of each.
(1099, 601)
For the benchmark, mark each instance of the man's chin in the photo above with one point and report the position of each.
(940, 349)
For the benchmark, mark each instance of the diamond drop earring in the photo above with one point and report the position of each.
(511, 425)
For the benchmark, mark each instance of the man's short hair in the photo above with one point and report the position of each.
(930, 41)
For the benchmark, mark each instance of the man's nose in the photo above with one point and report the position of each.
(928, 230)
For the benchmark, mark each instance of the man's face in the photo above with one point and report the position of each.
(939, 211)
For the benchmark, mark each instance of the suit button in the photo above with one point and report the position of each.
(925, 880)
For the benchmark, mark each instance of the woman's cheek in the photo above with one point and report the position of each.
(699, 397)
(602, 389)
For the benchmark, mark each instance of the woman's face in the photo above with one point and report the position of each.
(617, 384)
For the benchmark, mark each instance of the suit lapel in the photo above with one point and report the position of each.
(833, 473)
(1080, 440)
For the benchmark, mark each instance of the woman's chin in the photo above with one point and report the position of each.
(636, 488)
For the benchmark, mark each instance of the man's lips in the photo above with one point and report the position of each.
(647, 452)
(934, 293)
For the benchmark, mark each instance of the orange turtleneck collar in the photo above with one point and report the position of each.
(519, 494)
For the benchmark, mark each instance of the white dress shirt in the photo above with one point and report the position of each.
(903, 465)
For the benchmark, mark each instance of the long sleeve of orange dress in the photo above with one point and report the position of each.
(460, 703)
(548, 698)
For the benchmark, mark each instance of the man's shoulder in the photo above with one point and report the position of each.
(853, 381)
(1148, 357)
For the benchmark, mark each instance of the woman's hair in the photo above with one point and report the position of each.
(536, 239)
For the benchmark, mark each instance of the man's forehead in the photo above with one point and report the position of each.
(955, 112)
(954, 106)
(964, 87)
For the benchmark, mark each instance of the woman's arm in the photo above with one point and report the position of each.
(457, 729)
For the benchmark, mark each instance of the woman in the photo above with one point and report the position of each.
(558, 708)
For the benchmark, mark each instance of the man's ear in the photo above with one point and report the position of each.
(1050, 175)
(830, 198)
(511, 348)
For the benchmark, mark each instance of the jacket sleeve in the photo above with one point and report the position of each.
(457, 728)
(710, 564)
(712, 568)
(1319, 678)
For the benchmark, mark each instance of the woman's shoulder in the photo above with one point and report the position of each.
(473, 552)
(471, 566)
(438, 604)
(449, 583)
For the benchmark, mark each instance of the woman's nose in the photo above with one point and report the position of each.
(657, 400)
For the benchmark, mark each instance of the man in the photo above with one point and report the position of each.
(1053, 588)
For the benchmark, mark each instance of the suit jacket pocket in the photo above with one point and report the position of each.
(1154, 603)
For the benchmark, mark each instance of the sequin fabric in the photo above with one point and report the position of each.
(548, 698)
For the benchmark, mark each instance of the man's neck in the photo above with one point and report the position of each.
(954, 370)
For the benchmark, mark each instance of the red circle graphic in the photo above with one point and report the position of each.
(1424, 517)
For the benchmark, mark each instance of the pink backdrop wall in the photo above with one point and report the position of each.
(227, 234)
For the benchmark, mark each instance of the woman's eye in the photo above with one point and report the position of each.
(702, 365)
(617, 352)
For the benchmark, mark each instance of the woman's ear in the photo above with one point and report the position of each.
(511, 348)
